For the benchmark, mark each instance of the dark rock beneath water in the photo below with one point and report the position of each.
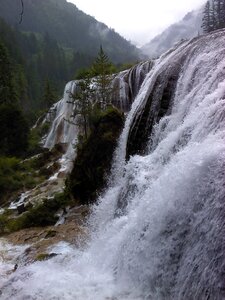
(45, 256)
(50, 234)
(156, 105)
(21, 208)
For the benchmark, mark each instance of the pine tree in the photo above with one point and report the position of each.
(93, 93)
(102, 69)
(7, 93)
(221, 13)
(49, 97)
(206, 18)
(20, 85)
(82, 101)
(213, 15)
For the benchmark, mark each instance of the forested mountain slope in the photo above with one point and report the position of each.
(36, 61)
(69, 26)
(187, 28)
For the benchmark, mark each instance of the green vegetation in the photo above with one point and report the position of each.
(102, 69)
(36, 63)
(34, 67)
(16, 176)
(213, 15)
(13, 125)
(43, 214)
(34, 139)
(82, 104)
(49, 95)
(7, 93)
(101, 124)
(14, 131)
(94, 92)
(45, 48)
(70, 27)
(10, 179)
(94, 156)
(45, 256)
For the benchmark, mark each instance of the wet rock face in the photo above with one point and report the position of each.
(126, 85)
(155, 106)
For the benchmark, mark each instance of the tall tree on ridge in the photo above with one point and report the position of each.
(7, 93)
(213, 15)
(102, 71)
(49, 96)
(82, 102)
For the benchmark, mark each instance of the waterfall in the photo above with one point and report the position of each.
(64, 129)
(158, 231)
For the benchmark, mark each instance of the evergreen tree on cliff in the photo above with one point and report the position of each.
(206, 20)
(93, 93)
(221, 13)
(102, 70)
(82, 102)
(213, 15)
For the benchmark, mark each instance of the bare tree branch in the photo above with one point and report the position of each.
(22, 11)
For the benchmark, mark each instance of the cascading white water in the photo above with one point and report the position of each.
(167, 240)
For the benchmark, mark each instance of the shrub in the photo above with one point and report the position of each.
(94, 157)
(15, 176)
(41, 215)
(14, 131)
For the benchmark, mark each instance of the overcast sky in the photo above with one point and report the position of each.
(138, 20)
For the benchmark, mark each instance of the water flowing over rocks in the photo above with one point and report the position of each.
(158, 231)
(126, 85)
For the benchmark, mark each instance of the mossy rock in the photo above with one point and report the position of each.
(50, 234)
(49, 170)
(39, 216)
(94, 157)
(45, 256)
(47, 156)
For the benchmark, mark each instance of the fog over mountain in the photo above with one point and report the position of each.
(138, 22)
(188, 27)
